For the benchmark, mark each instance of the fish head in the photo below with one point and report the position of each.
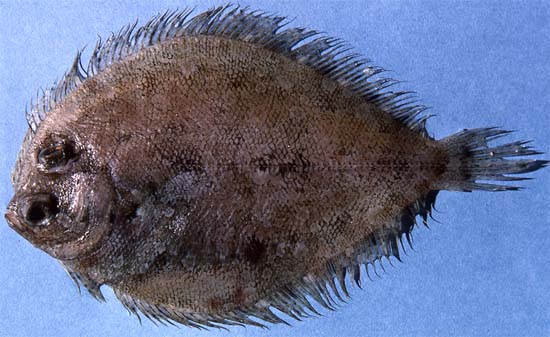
(63, 200)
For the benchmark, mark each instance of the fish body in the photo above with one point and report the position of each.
(210, 169)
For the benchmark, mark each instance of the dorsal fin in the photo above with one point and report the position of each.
(327, 55)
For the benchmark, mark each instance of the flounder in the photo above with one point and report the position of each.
(213, 168)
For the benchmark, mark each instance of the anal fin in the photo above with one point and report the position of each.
(296, 299)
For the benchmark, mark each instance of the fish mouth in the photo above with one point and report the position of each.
(11, 216)
(32, 212)
(14, 221)
(34, 217)
(60, 243)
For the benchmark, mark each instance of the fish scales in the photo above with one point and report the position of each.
(210, 169)
(241, 143)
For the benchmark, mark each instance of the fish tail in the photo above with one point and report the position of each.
(472, 159)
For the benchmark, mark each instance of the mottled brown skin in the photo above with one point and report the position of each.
(218, 171)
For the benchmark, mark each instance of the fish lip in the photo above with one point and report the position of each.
(11, 216)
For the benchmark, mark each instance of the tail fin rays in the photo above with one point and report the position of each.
(472, 159)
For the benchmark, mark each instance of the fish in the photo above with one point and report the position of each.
(213, 168)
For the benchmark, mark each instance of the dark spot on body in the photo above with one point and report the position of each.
(215, 304)
(112, 217)
(239, 296)
(255, 251)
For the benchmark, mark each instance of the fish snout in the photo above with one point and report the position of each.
(11, 214)
(33, 211)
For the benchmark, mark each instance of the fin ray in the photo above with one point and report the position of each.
(472, 159)
(296, 299)
(332, 57)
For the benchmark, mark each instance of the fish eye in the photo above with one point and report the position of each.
(39, 209)
(56, 154)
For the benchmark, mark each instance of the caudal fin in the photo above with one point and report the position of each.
(472, 160)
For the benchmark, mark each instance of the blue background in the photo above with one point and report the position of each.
(482, 271)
